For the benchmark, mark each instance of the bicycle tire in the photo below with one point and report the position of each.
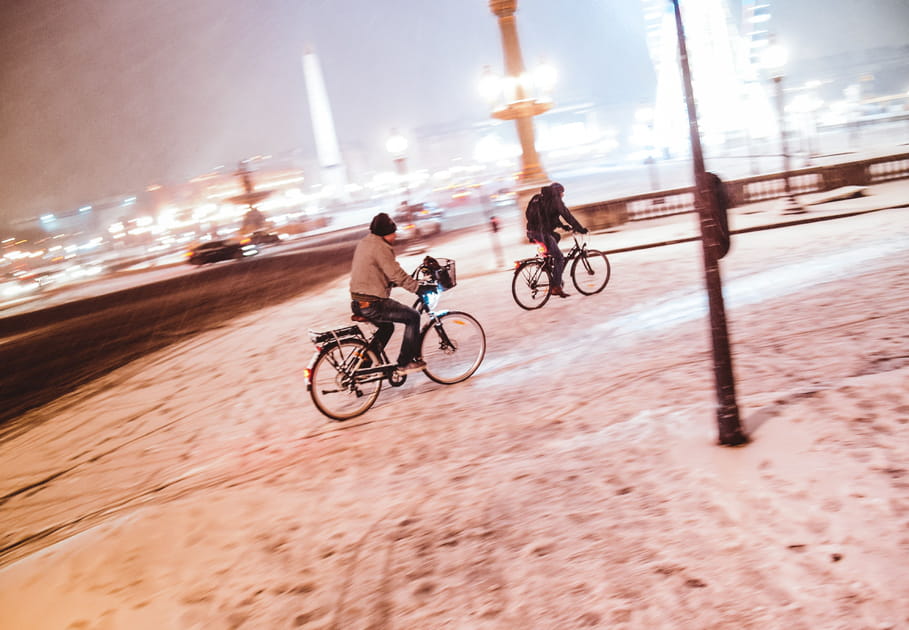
(590, 272)
(453, 353)
(530, 284)
(334, 389)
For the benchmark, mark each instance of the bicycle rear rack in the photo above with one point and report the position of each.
(336, 335)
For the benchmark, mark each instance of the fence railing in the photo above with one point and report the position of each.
(664, 203)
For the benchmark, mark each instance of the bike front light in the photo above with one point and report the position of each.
(431, 299)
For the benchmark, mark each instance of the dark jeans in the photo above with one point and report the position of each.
(551, 242)
(384, 314)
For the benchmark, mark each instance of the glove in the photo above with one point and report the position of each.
(583, 230)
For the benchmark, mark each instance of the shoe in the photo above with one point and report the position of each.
(414, 366)
(558, 291)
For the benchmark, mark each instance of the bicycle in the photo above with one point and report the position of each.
(346, 374)
(590, 273)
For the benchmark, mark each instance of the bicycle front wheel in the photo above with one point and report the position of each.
(453, 347)
(590, 272)
(530, 285)
(333, 385)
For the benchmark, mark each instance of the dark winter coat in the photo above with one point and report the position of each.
(552, 213)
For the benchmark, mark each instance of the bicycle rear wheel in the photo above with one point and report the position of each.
(530, 284)
(453, 347)
(590, 272)
(336, 391)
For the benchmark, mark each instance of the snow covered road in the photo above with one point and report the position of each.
(572, 482)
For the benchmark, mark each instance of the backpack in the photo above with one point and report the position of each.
(720, 212)
(533, 215)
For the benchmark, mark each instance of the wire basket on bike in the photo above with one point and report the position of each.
(441, 271)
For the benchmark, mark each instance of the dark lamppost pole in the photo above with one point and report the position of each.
(730, 429)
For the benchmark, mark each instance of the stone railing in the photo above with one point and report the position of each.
(664, 203)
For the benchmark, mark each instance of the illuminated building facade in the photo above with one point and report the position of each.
(755, 16)
(732, 105)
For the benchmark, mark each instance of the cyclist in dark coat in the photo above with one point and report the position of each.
(541, 228)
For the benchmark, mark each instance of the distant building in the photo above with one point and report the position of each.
(731, 102)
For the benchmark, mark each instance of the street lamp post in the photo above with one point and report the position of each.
(730, 428)
(519, 106)
(645, 133)
(396, 145)
(807, 105)
(774, 61)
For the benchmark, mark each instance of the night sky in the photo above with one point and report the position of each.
(104, 97)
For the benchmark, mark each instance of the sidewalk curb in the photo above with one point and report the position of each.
(755, 228)
(688, 239)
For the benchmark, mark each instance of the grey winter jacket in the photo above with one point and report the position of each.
(375, 270)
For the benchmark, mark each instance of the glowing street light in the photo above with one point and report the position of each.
(509, 95)
(490, 86)
(775, 57)
(396, 144)
(544, 76)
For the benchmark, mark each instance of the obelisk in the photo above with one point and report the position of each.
(334, 174)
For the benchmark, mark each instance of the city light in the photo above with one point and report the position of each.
(739, 120)
(545, 76)
(490, 85)
(396, 144)
(775, 58)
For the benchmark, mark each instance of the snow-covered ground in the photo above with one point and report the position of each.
(573, 482)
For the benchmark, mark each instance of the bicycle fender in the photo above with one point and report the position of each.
(309, 367)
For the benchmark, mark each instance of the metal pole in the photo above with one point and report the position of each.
(792, 206)
(401, 164)
(730, 428)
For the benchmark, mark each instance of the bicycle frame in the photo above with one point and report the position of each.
(424, 304)
(530, 285)
(387, 369)
(347, 372)
(575, 250)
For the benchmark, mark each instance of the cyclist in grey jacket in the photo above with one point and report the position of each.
(374, 271)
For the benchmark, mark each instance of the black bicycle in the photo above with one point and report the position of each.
(532, 276)
(345, 375)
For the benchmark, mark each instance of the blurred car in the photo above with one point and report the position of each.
(503, 197)
(418, 220)
(263, 237)
(215, 251)
(461, 196)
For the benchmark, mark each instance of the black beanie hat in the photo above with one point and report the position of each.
(382, 225)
